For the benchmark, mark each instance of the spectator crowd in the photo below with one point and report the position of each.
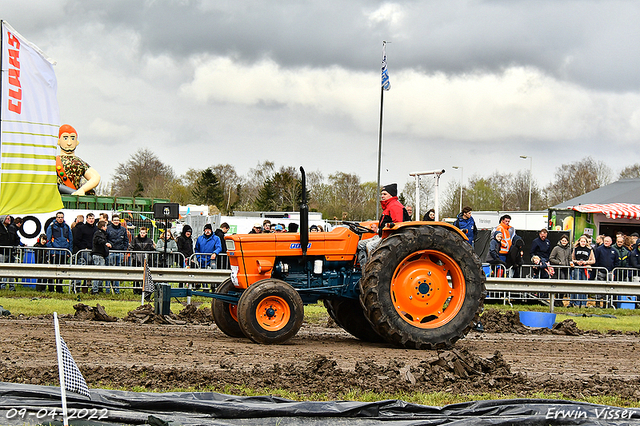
(107, 241)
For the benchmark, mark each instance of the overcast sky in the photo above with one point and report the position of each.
(474, 84)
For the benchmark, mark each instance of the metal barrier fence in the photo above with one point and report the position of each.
(587, 288)
(116, 258)
(204, 261)
(67, 274)
(134, 258)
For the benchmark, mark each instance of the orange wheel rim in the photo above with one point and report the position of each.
(233, 311)
(428, 289)
(273, 313)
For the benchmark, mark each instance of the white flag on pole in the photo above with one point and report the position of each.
(386, 84)
(71, 378)
(28, 127)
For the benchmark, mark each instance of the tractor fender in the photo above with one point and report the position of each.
(396, 227)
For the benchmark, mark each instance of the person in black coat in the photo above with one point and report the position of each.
(5, 248)
(83, 243)
(514, 256)
(430, 215)
(606, 257)
(100, 252)
(222, 261)
(185, 243)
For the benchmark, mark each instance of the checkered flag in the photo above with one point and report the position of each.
(70, 376)
(147, 284)
(73, 380)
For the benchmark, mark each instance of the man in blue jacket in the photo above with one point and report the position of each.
(467, 225)
(59, 236)
(207, 248)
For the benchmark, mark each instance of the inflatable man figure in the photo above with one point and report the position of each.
(71, 169)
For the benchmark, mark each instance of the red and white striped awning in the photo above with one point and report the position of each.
(611, 211)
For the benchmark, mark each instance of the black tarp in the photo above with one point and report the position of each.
(209, 408)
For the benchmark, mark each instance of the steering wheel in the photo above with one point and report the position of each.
(357, 228)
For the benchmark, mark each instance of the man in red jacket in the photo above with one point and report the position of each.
(392, 209)
(392, 212)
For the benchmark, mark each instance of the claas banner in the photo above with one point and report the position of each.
(29, 122)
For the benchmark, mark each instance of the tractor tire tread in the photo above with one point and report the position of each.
(382, 316)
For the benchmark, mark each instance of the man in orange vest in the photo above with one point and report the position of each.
(508, 232)
(70, 169)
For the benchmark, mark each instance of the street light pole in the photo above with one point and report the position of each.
(524, 157)
(461, 173)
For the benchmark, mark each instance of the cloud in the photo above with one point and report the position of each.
(391, 13)
(331, 90)
(103, 128)
(518, 103)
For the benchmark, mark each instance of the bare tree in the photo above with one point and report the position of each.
(427, 185)
(630, 172)
(255, 180)
(142, 175)
(577, 178)
(229, 183)
(349, 195)
(450, 203)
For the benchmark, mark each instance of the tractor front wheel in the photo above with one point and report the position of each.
(270, 311)
(225, 314)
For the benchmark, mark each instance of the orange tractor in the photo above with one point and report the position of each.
(423, 287)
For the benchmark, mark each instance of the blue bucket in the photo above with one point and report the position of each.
(29, 257)
(537, 319)
(487, 269)
(623, 305)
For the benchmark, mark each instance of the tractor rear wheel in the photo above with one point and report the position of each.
(270, 311)
(349, 315)
(225, 314)
(423, 287)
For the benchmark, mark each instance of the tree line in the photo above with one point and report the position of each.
(344, 196)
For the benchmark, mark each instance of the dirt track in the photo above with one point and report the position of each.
(319, 360)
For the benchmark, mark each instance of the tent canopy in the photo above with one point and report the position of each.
(611, 211)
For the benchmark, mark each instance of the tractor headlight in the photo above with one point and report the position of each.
(231, 245)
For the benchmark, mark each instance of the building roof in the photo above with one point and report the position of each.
(622, 191)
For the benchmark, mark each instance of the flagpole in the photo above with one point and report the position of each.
(384, 86)
(63, 392)
(144, 281)
(380, 148)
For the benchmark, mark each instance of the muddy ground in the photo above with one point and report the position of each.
(188, 351)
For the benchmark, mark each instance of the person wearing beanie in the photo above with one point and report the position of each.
(392, 209)
(207, 248)
(391, 189)
(392, 212)
(185, 243)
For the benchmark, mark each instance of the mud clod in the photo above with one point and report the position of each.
(88, 313)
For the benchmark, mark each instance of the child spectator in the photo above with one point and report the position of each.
(41, 258)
